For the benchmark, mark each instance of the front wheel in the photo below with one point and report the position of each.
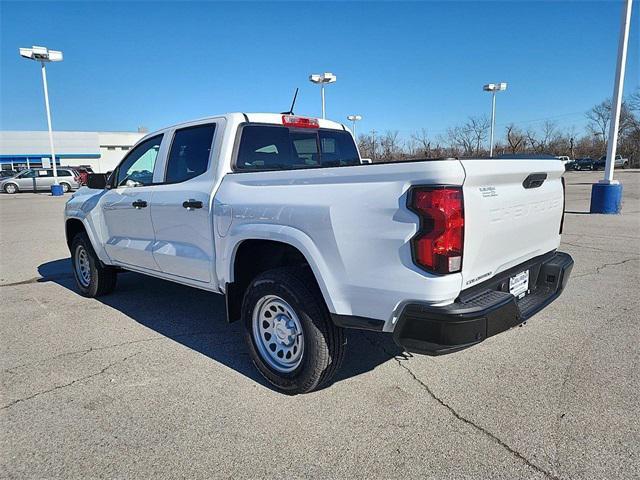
(290, 335)
(10, 188)
(93, 279)
(65, 187)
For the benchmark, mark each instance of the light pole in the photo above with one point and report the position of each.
(44, 55)
(606, 195)
(354, 119)
(493, 88)
(322, 79)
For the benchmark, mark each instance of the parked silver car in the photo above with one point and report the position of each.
(35, 179)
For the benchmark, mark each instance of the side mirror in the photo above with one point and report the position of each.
(97, 181)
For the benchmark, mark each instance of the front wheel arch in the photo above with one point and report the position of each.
(72, 227)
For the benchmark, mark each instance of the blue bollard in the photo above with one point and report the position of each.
(606, 198)
(56, 190)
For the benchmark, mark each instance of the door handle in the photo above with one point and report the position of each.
(139, 204)
(534, 180)
(191, 204)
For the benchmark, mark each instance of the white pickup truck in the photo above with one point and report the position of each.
(279, 214)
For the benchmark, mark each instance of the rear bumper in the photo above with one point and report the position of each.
(483, 310)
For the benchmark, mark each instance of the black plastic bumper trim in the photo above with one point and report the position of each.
(360, 323)
(482, 311)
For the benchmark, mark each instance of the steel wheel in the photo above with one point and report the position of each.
(83, 268)
(277, 333)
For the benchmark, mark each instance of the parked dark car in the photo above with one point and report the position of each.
(570, 165)
(584, 164)
(600, 163)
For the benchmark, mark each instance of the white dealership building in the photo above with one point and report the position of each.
(100, 150)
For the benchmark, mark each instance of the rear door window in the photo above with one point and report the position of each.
(266, 147)
(190, 152)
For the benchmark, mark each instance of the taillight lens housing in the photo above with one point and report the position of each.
(438, 245)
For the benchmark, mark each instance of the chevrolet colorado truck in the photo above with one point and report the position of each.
(279, 214)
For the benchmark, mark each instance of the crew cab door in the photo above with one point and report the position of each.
(129, 233)
(180, 210)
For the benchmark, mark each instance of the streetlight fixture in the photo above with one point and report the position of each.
(493, 88)
(322, 79)
(354, 119)
(44, 55)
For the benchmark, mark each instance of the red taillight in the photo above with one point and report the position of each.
(438, 245)
(299, 122)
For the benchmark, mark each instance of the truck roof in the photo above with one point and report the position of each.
(256, 117)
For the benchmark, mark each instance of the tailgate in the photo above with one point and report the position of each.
(506, 223)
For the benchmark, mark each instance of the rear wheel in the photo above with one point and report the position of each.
(10, 188)
(92, 278)
(288, 330)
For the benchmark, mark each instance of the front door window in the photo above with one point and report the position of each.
(137, 168)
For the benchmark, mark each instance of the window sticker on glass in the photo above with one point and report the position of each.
(42, 173)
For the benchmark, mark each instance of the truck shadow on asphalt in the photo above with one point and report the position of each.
(197, 319)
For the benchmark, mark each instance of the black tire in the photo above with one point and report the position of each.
(324, 342)
(625, 165)
(102, 279)
(65, 187)
(9, 190)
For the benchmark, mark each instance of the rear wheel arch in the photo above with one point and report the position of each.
(253, 257)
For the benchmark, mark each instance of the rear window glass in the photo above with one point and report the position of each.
(189, 155)
(264, 147)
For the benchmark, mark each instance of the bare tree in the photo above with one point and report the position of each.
(469, 137)
(479, 129)
(390, 144)
(411, 148)
(515, 138)
(421, 138)
(532, 140)
(599, 117)
(633, 101)
(460, 139)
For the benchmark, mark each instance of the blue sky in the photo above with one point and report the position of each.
(403, 66)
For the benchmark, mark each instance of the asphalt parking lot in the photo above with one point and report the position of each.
(151, 382)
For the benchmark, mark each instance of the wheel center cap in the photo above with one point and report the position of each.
(283, 331)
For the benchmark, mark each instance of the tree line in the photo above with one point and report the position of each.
(470, 138)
